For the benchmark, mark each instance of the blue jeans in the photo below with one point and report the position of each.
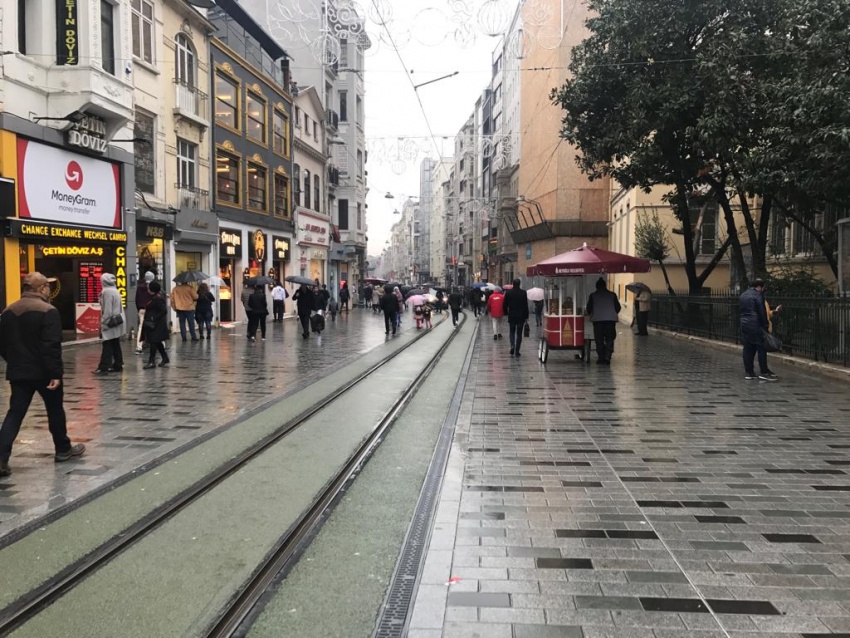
(186, 316)
(204, 321)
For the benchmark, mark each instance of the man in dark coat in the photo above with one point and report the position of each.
(455, 302)
(305, 304)
(754, 323)
(390, 306)
(515, 306)
(156, 326)
(31, 344)
(604, 308)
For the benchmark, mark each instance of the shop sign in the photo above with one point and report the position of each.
(257, 247)
(147, 230)
(89, 134)
(121, 273)
(230, 243)
(314, 234)
(72, 251)
(67, 33)
(197, 225)
(57, 232)
(280, 248)
(60, 186)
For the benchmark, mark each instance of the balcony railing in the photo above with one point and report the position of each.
(333, 176)
(192, 197)
(190, 101)
(332, 119)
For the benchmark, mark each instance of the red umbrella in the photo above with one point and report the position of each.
(588, 260)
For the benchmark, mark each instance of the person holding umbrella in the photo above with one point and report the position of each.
(183, 298)
(391, 305)
(258, 310)
(305, 302)
(643, 300)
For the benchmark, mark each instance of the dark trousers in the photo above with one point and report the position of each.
(515, 334)
(111, 355)
(154, 348)
(642, 318)
(389, 321)
(305, 324)
(751, 349)
(204, 321)
(604, 333)
(19, 403)
(277, 308)
(254, 322)
(184, 317)
(455, 313)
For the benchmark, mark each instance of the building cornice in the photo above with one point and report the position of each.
(300, 145)
(272, 84)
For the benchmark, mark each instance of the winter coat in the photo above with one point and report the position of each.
(143, 296)
(110, 306)
(603, 305)
(515, 305)
(183, 297)
(455, 301)
(322, 299)
(495, 304)
(258, 305)
(390, 303)
(753, 316)
(204, 305)
(31, 339)
(156, 313)
(305, 301)
(344, 295)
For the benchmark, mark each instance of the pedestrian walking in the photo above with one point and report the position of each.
(183, 298)
(440, 300)
(143, 296)
(426, 314)
(322, 298)
(156, 327)
(391, 307)
(495, 306)
(603, 308)
(375, 297)
(279, 296)
(401, 306)
(305, 304)
(344, 297)
(333, 308)
(538, 312)
(31, 344)
(455, 302)
(474, 297)
(643, 300)
(112, 326)
(515, 308)
(258, 310)
(204, 310)
(754, 323)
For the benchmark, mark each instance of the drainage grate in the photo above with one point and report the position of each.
(392, 620)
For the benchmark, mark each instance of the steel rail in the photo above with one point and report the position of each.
(239, 608)
(26, 607)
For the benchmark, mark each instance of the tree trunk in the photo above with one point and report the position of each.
(818, 236)
(666, 277)
(683, 212)
(764, 224)
(719, 189)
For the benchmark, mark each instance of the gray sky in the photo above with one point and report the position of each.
(424, 31)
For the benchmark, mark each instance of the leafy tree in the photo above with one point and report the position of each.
(651, 243)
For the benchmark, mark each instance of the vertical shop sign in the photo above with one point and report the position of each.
(67, 33)
(121, 273)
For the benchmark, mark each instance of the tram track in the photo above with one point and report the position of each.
(231, 615)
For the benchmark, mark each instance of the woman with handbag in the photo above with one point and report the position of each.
(156, 326)
(111, 326)
(204, 310)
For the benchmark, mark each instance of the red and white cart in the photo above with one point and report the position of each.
(570, 277)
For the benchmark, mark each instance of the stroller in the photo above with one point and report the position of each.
(333, 308)
(317, 322)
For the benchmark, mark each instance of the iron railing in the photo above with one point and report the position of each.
(192, 197)
(189, 99)
(810, 327)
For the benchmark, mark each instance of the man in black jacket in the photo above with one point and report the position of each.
(515, 306)
(753, 326)
(31, 344)
(391, 307)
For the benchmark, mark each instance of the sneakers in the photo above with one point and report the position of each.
(164, 364)
(149, 365)
(495, 337)
(768, 376)
(75, 450)
(4, 468)
(750, 376)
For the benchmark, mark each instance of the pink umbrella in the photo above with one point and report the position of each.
(588, 260)
(416, 300)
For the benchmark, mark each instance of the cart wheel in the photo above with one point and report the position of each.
(544, 351)
(540, 350)
(586, 352)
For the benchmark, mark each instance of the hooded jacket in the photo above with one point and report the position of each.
(110, 306)
(31, 339)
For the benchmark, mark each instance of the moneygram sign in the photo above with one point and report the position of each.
(58, 186)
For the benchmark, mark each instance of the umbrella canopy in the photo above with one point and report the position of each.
(394, 284)
(215, 281)
(430, 298)
(587, 260)
(493, 287)
(258, 281)
(188, 276)
(414, 292)
(479, 284)
(535, 294)
(298, 279)
(416, 300)
(375, 280)
(637, 287)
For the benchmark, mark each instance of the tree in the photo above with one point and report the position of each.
(651, 242)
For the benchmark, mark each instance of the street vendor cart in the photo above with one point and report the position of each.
(569, 276)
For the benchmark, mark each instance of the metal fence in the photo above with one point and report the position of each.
(810, 327)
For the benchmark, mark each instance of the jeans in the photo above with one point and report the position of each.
(390, 321)
(516, 328)
(185, 316)
(604, 333)
(19, 403)
(538, 316)
(204, 321)
(751, 349)
(277, 308)
(111, 355)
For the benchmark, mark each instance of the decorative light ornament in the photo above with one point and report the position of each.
(536, 12)
(493, 17)
(430, 27)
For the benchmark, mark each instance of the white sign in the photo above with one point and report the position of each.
(59, 186)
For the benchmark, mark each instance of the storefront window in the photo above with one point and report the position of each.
(281, 196)
(256, 124)
(281, 127)
(226, 102)
(227, 178)
(257, 184)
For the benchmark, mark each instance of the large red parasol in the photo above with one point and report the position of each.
(587, 260)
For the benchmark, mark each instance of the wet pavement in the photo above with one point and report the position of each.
(661, 496)
(129, 419)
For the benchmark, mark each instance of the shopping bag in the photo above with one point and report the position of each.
(526, 330)
(772, 343)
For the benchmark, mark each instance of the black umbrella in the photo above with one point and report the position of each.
(258, 281)
(637, 287)
(298, 279)
(414, 291)
(188, 276)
